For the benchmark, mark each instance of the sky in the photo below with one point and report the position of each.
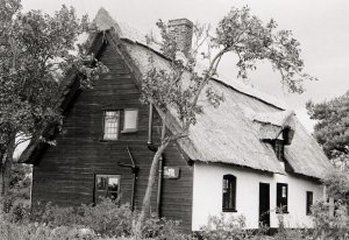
(321, 26)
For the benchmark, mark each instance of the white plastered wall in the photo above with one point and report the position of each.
(207, 195)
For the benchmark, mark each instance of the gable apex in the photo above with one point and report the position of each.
(104, 21)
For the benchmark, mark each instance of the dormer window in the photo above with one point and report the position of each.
(279, 148)
(287, 135)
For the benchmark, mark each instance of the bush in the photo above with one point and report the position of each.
(337, 184)
(232, 228)
(106, 219)
(331, 221)
(11, 231)
(331, 218)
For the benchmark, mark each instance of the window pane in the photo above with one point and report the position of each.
(130, 119)
(279, 149)
(107, 186)
(113, 184)
(111, 125)
(229, 193)
(284, 192)
(309, 202)
(282, 196)
(101, 183)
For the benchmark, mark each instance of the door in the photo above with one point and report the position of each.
(264, 204)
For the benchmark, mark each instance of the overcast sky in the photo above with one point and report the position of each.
(321, 26)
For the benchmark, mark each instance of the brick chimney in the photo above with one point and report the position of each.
(182, 30)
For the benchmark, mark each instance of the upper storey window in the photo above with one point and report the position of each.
(116, 121)
(130, 120)
(279, 148)
(111, 125)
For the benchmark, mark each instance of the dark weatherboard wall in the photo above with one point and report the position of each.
(65, 173)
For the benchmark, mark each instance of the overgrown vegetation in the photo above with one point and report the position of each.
(110, 221)
(331, 129)
(105, 220)
(37, 51)
(331, 216)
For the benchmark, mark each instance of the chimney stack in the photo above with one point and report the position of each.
(182, 30)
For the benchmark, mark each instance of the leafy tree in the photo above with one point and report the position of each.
(331, 217)
(238, 32)
(36, 52)
(332, 127)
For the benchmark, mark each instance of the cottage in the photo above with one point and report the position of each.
(251, 156)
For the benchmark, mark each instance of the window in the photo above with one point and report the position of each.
(281, 197)
(309, 202)
(229, 193)
(107, 186)
(130, 120)
(279, 149)
(111, 125)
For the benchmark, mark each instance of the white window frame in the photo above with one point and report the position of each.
(130, 130)
(105, 134)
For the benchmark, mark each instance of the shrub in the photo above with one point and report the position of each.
(221, 227)
(162, 229)
(337, 184)
(331, 221)
(11, 231)
(106, 219)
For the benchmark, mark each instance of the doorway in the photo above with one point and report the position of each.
(264, 204)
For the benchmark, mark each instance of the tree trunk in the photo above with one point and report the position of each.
(5, 177)
(147, 197)
(6, 164)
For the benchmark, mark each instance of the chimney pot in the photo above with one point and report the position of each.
(182, 31)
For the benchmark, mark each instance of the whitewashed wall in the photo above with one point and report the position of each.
(207, 195)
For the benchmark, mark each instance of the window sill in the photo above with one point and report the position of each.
(229, 210)
(108, 140)
(129, 131)
(282, 212)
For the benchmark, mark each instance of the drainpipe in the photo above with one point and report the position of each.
(158, 197)
(150, 144)
(150, 125)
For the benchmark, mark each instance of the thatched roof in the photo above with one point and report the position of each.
(233, 133)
